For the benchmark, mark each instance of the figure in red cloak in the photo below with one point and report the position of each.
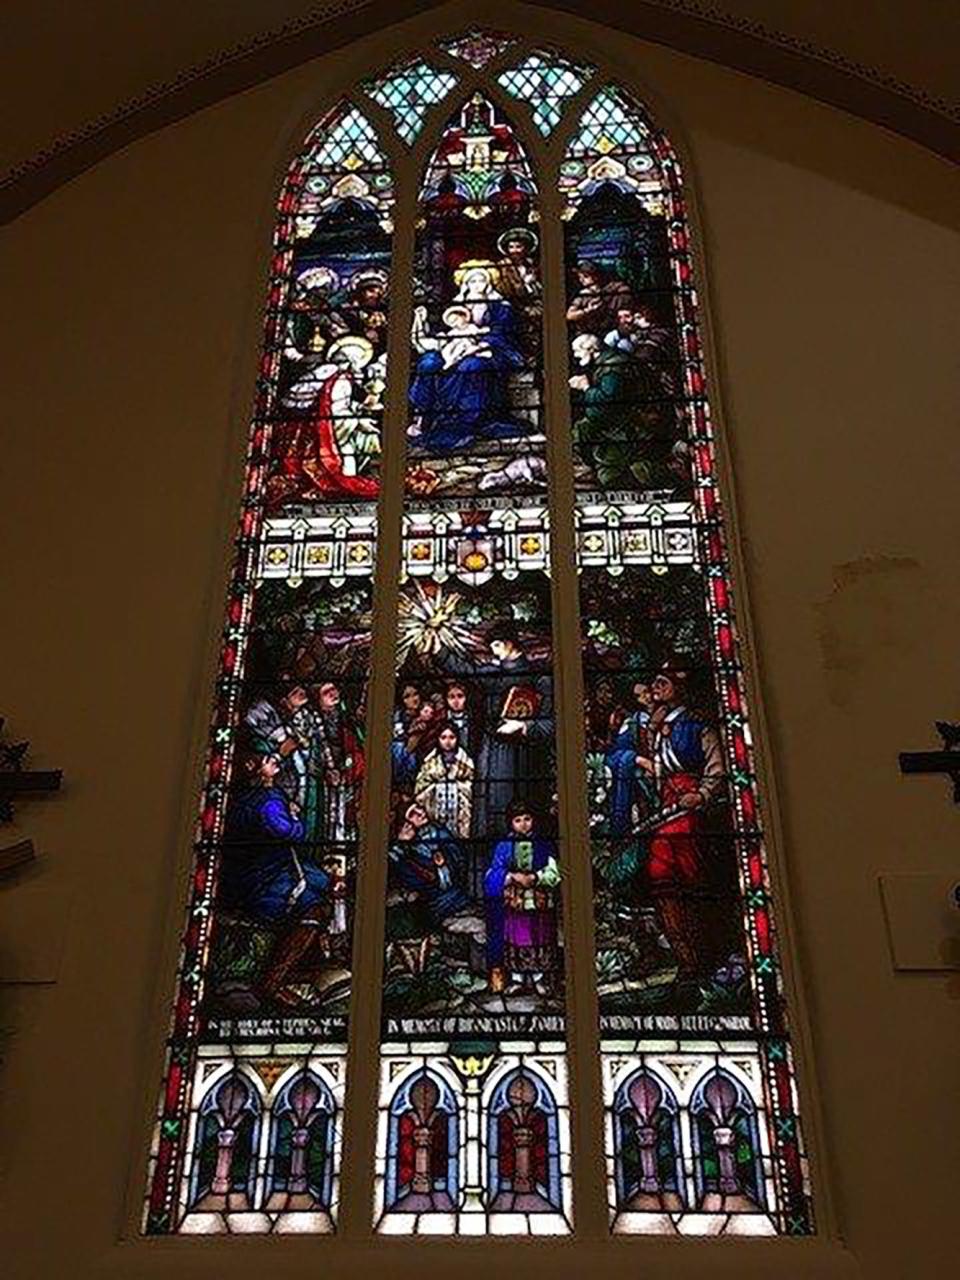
(322, 454)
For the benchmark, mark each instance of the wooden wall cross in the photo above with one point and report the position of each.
(17, 781)
(946, 761)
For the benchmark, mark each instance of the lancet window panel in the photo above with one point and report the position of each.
(682, 915)
(267, 952)
(476, 790)
(473, 961)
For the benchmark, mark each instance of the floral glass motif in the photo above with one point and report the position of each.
(545, 80)
(249, 1130)
(408, 92)
(702, 1133)
(478, 47)
(474, 1128)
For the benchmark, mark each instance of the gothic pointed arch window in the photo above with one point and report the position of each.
(523, 1145)
(228, 1129)
(647, 1144)
(481, 654)
(421, 1180)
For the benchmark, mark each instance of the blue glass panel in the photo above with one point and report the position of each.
(408, 92)
(545, 81)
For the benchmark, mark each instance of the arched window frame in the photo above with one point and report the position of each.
(743, 1109)
(250, 1116)
(407, 165)
(623, 1106)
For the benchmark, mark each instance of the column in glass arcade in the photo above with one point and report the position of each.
(702, 1134)
(249, 1129)
(473, 1130)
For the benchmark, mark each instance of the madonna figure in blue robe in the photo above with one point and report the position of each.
(458, 390)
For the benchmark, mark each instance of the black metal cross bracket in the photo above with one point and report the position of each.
(946, 761)
(15, 780)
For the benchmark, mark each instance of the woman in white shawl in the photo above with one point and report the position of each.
(444, 784)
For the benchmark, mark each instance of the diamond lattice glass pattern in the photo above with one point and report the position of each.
(408, 92)
(607, 124)
(545, 80)
(351, 142)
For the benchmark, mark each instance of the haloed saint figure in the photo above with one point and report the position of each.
(475, 391)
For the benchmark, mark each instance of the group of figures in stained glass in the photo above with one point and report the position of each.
(475, 392)
(291, 831)
(473, 866)
(473, 1119)
(666, 898)
(627, 431)
(328, 403)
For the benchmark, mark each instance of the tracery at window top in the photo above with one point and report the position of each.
(545, 79)
(477, 47)
(408, 91)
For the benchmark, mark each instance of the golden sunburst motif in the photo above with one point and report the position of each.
(428, 624)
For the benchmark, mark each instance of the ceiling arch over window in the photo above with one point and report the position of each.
(854, 68)
(554, 692)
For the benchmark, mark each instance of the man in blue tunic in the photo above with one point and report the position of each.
(264, 876)
(520, 889)
(427, 864)
(628, 759)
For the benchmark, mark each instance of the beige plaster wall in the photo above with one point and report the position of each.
(131, 313)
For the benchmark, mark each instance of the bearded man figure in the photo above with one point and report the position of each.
(324, 450)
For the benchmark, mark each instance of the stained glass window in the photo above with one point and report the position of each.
(702, 1133)
(473, 984)
(478, 47)
(408, 92)
(482, 708)
(545, 80)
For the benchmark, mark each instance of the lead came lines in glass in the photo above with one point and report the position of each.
(701, 1128)
(696, 1144)
(249, 1131)
(474, 1125)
